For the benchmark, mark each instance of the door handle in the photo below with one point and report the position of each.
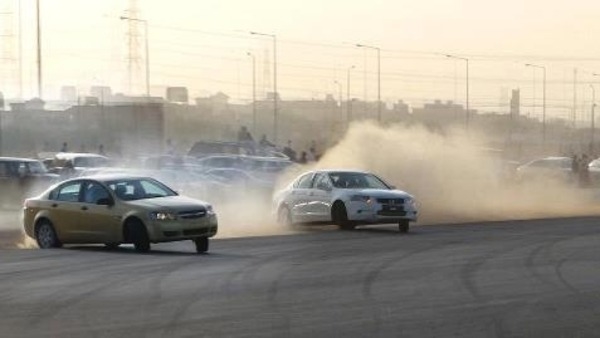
(54, 205)
(84, 208)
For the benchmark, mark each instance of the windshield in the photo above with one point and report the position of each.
(348, 180)
(37, 168)
(138, 189)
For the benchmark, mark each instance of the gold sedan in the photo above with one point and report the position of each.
(117, 209)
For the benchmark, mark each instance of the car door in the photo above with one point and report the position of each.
(298, 197)
(64, 211)
(319, 196)
(101, 220)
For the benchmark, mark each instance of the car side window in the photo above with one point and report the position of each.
(304, 182)
(4, 171)
(93, 192)
(322, 182)
(68, 192)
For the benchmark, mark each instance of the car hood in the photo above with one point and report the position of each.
(172, 203)
(377, 193)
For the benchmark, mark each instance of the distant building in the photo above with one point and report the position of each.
(440, 114)
(35, 104)
(177, 94)
(102, 93)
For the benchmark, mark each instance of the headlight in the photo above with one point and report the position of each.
(361, 198)
(162, 216)
(210, 210)
(411, 201)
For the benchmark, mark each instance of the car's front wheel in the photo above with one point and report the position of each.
(46, 236)
(403, 226)
(201, 244)
(136, 233)
(340, 216)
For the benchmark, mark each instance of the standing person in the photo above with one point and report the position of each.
(584, 173)
(64, 148)
(289, 152)
(575, 167)
(303, 159)
(101, 150)
(244, 135)
(264, 142)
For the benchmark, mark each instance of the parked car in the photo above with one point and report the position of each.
(116, 209)
(240, 179)
(22, 176)
(73, 164)
(346, 198)
(547, 168)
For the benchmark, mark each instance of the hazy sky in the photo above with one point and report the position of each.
(203, 45)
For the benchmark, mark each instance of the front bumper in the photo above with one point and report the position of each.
(181, 229)
(378, 213)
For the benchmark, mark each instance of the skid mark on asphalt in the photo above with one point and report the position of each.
(245, 275)
(70, 296)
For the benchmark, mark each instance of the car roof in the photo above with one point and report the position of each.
(327, 171)
(18, 159)
(67, 156)
(111, 177)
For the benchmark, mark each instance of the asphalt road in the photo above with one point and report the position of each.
(530, 278)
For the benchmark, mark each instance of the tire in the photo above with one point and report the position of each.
(340, 217)
(284, 216)
(138, 235)
(403, 226)
(201, 244)
(112, 246)
(45, 236)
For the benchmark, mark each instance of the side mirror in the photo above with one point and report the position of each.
(105, 201)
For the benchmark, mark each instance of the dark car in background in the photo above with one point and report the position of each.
(20, 177)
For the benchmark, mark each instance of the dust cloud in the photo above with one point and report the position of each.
(453, 176)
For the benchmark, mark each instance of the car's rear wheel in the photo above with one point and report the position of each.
(403, 226)
(46, 236)
(340, 217)
(136, 233)
(201, 244)
(284, 216)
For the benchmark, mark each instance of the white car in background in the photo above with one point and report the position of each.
(345, 198)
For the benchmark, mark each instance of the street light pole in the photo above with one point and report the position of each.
(253, 92)
(348, 102)
(378, 77)
(543, 104)
(147, 50)
(275, 125)
(468, 115)
(593, 120)
(39, 48)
